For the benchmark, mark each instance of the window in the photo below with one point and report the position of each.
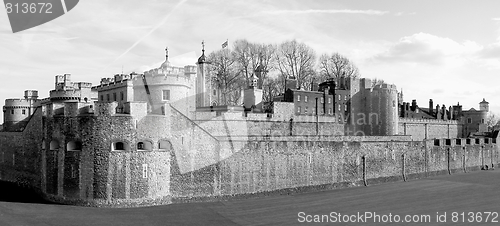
(114, 96)
(345, 107)
(314, 111)
(322, 100)
(305, 110)
(339, 97)
(469, 120)
(140, 145)
(102, 97)
(122, 97)
(329, 100)
(339, 107)
(119, 146)
(144, 171)
(482, 120)
(305, 98)
(298, 98)
(330, 111)
(12, 111)
(74, 146)
(166, 94)
(107, 96)
(345, 97)
(24, 112)
(298, 109)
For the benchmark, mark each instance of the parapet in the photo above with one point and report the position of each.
(111, 83)
(67, 109)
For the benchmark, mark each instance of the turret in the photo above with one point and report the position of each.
(484, 105)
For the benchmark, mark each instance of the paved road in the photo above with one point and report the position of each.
(477, 192)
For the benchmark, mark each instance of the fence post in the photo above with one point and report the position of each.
(364, 170)
(464, 160)
(404, 167)
(449, 167)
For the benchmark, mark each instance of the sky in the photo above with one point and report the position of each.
(447, 50)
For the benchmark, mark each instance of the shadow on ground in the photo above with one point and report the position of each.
(11, 192)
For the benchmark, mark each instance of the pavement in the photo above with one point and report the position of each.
(460, 199)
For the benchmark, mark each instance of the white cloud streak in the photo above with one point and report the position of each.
(329, 11)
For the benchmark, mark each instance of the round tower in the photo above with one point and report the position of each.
(165, 84)
(382, 113)
(16, 112)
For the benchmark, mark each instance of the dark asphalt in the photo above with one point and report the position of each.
(472, 192)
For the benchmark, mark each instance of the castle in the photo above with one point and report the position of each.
(157, 138)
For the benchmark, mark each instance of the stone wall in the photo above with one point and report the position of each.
(421, 129)
(269, 166)
(20, 153)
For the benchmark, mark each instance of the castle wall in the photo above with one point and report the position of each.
(421, 129)
(268, 166)
(20, 153)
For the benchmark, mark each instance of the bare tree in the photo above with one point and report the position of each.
(377, 81)
(295, 60)
(336, 65)
(272, 88)
(225, 78)
(492, 120)
(265, 60)
(245, 56)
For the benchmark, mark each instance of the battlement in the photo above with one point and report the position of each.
(72, 109)
(428, 121)
(111, 83)
(12, 103)
(385, 86)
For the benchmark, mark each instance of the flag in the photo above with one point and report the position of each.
(224, 45)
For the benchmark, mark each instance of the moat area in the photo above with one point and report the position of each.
(476, 191)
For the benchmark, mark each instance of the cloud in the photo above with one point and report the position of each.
(404, 13)
(497, 18)
(428, 49)
(328, 11)
(437, 91)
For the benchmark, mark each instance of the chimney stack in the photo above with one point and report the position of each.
(431, 107)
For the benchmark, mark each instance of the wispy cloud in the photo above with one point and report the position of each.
(329, 11)
(148, 33)
(404, 13)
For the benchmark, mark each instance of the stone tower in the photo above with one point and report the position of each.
(484, 106)
(203, 81)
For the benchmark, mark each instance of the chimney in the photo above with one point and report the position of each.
(431, 107)
(413, 105)
(444, 112)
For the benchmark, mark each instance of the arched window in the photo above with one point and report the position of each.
(164, 145)
(54, 145)
(144, 146)
(74, 146)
